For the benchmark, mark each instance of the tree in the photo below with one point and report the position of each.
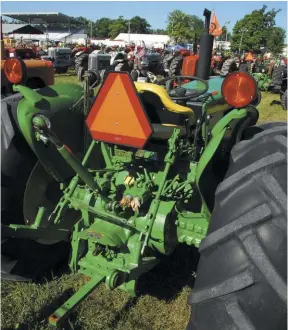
(101, 27)
(119, 25)
(82, 19)
(139, 25)
(159, 31)
(182, 27)
(275, 42)
(253, 31)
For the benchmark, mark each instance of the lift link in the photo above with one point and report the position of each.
(169, 160)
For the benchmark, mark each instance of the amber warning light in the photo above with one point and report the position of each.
(15, 70)
(239, 89)
(117, 115)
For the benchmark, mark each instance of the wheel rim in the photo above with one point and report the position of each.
(41, 190)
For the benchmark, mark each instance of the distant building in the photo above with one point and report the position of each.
(285, 51)
(26, 31)
(149, 39)
(224, 45)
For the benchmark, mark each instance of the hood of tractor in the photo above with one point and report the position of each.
(215, 84)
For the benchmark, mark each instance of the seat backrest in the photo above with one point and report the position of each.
(157, 112)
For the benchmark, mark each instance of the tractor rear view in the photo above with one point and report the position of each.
(138, 170)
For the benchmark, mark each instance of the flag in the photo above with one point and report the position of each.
(215, 28)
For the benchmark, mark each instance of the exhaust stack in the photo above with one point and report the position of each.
(2, 43)
(206, 47)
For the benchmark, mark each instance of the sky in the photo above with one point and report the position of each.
(155, 12)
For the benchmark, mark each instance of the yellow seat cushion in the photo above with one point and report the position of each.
(165, 98)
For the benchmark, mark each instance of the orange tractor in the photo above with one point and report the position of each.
(39, 73)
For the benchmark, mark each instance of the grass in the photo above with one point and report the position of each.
(162, 303)
(269, 112)
(69, 77)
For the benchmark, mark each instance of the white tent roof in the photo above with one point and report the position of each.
(148, 38)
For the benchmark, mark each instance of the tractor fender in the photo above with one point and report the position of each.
(60, 103)
(79, 53)
(218, 151)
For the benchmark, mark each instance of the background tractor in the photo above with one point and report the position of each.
(283, 91)
(60, 57)
(127, 176)
(263, 81)
(38, 74)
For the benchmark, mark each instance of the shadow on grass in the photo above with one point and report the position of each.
(35, 261)
(173, 273)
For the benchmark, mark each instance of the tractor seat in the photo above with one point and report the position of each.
(164, 97)
(161, 109)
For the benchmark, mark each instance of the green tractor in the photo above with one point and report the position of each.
(127, 176)
(263, 81)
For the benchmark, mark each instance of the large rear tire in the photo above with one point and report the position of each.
(277, 78)
(17, 162)
(176, 66)
(81, 61)
(242, 273)
(21, 258)
(284, 100)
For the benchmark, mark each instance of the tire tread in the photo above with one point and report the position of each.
(252, 234)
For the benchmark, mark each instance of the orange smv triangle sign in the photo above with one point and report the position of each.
(117, 115)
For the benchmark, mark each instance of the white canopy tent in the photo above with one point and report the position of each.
(149, 39)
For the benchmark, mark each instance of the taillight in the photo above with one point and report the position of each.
(49, 64)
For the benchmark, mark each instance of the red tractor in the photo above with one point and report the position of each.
(21, 52)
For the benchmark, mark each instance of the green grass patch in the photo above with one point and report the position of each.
(163, 292)
(269, 112)
(67, 78)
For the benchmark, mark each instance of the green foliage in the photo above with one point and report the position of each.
(275, 42)
(139, 25)
(159, 31)
(117, 26)
(182, 27)
(101, 27)
(110, 28)
(254, 30)
(81, 19)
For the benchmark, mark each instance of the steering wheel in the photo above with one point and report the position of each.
(181, 93)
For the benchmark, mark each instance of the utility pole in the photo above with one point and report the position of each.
(2, 43)
(240, 45)
(129, 32)
(227, 23)
(91, 23)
